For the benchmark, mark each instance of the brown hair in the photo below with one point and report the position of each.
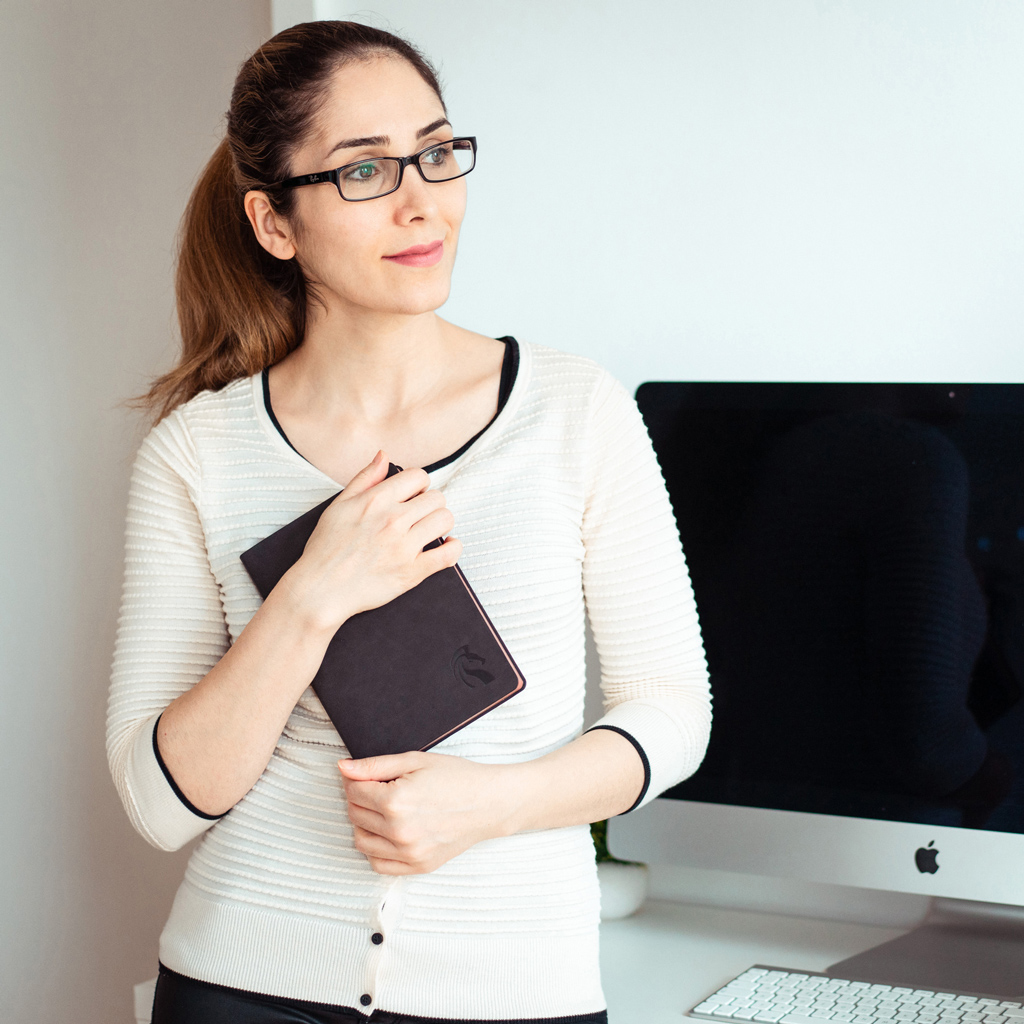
(239, 308)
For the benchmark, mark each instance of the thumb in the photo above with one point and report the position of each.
(369, 476)
(383, 768)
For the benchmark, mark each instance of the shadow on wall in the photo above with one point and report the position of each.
(110, 109)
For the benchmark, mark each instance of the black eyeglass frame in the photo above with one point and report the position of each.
(334, 176)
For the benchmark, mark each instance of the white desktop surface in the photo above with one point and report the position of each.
(668, 956)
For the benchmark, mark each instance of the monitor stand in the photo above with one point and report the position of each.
(974, 948)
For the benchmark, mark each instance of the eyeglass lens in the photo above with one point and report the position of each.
(371, 178)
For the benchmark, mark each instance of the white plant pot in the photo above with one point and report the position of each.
(623, 888)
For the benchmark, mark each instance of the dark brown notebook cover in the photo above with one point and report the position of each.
(405, 675)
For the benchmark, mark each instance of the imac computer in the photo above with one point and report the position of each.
(857, 557)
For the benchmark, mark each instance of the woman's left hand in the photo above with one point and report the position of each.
(414, 812)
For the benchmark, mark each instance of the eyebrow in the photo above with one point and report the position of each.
(384, 140)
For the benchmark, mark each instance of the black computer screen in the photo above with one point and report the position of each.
(857, 556)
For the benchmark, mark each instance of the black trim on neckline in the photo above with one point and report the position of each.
(273, 418)
(170, 781)
(509, 372)
(643, 757)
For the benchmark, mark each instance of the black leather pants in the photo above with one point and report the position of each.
(181, 1000)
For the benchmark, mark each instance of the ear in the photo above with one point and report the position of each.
(271, 229)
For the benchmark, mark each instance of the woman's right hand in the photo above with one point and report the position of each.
(368, 546)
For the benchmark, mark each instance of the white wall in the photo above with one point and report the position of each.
(107, 111)
(738, 189)
(731, 189)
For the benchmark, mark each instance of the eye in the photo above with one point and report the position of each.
(363, 172)
(437, 156)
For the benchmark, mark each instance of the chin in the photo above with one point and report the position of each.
(414, 301)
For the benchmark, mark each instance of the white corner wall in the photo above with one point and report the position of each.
(681, 188)
(737, 189)
(107, 112)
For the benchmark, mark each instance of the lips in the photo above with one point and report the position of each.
(419, 255)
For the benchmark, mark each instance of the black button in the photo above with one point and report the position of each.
(376, 938)
(365, 1000)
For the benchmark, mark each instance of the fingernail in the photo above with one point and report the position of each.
(378, 456)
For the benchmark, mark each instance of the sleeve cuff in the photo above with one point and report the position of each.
(168, 820)
(170, 780)
(670, 746)
(643, 757)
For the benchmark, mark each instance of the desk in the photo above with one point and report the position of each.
(668, 956)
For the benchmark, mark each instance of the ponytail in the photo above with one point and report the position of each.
(240, 309)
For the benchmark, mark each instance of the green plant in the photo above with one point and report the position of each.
(599, 831)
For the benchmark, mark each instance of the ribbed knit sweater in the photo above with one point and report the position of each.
(563, 514)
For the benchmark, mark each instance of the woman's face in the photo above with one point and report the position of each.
(377, 108)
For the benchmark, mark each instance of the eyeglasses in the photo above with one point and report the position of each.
(371, 179)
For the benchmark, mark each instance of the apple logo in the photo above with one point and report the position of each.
(925, 860)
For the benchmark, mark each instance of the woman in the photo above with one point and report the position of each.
(457, 884)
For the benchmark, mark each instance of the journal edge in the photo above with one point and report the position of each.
(521, 684)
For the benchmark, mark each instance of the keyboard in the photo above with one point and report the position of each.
(768, 995)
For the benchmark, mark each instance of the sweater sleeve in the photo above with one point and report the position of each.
(641, 607)
(171, 632)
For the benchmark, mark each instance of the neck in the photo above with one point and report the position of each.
(376, 365)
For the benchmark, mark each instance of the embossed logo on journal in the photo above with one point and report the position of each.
(467, 667)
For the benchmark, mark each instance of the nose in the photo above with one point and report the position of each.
(415, 197)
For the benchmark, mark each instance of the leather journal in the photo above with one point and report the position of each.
(410, 673)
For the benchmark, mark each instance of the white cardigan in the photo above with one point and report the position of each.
(563, 513)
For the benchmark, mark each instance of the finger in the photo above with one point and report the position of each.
(372, 845)
(371, 796)
(370, 820)
(387, 861)
(383, 768)
(392, 867)
(405, 485)
(369, 476)
(418, 507)
(436, 524)
(441, 557)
